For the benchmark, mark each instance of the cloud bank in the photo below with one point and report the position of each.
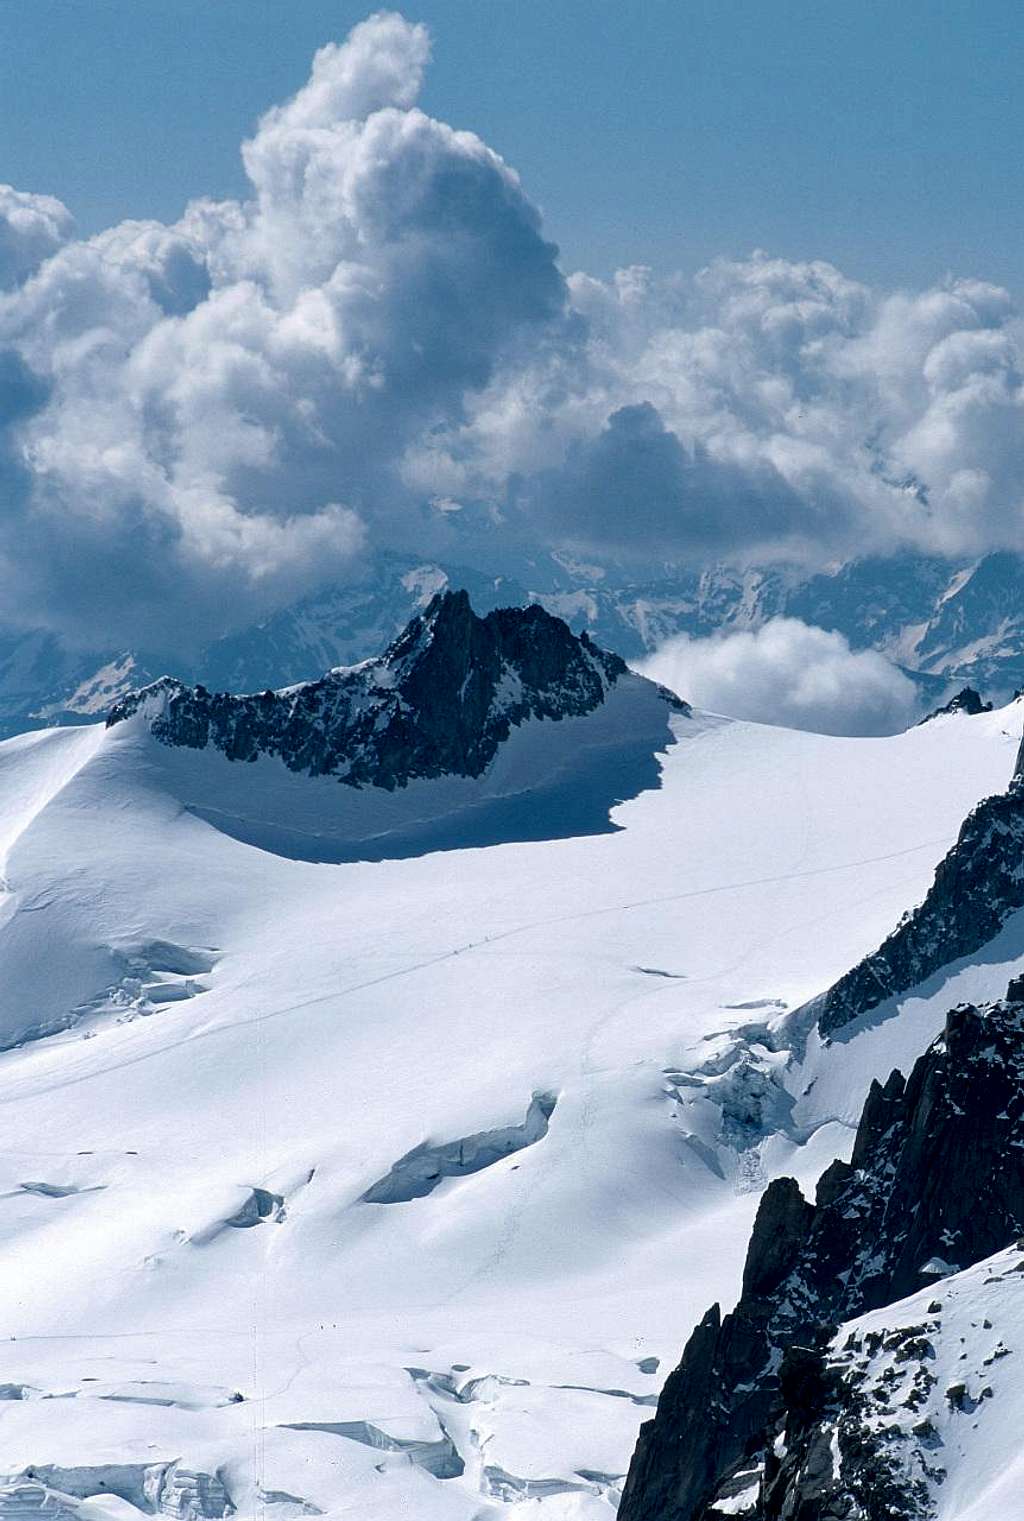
(788, 673)
(378, 348)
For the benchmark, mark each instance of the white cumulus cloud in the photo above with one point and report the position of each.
(212, 416)
(31, 228)
(789, 673)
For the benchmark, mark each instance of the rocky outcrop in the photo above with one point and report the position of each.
(977, 886)
(967, 700)
(829, 1461)
(439, 702)
(899, 1403)
(934, 1185)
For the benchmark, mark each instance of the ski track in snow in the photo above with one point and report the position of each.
(485, 946)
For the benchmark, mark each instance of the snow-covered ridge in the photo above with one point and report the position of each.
(977, 887)
(439, 702)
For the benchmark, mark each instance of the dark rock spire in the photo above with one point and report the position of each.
(438, 702)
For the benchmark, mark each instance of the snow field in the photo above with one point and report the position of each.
(244, 1043)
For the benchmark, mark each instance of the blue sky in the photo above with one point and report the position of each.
(884, 137)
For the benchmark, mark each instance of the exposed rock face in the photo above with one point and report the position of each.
(832, 1463)
(439, 702)
(977, 886)
(967, 700)
(935, 1184)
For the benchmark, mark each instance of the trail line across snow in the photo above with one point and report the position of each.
(194, 1037)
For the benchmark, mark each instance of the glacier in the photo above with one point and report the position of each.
(216, 1044)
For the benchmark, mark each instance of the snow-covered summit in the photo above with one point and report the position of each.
(439, 701)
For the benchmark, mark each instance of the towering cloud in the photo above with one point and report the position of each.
(199, 420)
(224, 403)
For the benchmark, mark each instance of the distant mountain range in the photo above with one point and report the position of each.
(943, 622)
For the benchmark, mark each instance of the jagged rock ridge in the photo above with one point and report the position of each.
(967, 700)
(439, 702)
(934, 1184)
(977, 886)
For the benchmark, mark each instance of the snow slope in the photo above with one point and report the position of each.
(540, 1058)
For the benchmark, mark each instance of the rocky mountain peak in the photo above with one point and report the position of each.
(439, 701)
(967, 700)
